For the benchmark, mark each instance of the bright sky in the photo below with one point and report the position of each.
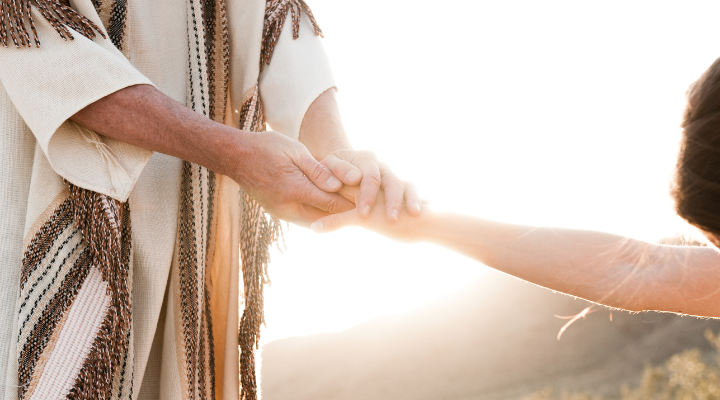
(560, 113)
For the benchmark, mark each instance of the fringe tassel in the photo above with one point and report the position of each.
(15, 17)
(105, 225)
(259, 232)
(275, 13)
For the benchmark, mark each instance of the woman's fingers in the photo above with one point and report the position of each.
(336, 221)
(370, 184)
(344, 170)
(413, 202)
(394, 190)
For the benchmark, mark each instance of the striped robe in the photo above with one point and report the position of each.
(120, 267)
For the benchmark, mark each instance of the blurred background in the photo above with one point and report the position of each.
(560, 113)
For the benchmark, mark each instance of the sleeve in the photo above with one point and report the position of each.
(298, 73)
(48, 85)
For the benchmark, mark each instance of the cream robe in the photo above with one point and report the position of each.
(41, 88)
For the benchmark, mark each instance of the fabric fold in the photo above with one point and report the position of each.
(48, 85)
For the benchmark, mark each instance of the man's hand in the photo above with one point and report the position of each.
(285, 179)
(323, 133)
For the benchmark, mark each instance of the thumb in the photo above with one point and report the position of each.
(318, 173)
(334, 222)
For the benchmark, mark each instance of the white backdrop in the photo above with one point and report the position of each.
(560, 113)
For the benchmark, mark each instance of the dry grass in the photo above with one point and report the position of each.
(684, 376)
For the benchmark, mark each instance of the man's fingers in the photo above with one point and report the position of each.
(345, 171)
(394, 193)
(413, 202)
(330, 202)
(334, 222)
(307, 214)
(317, 173)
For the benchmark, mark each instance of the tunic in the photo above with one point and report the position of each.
(40, 89)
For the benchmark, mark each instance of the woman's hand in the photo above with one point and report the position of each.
(406, 228)
(376, 176)
(323, 133)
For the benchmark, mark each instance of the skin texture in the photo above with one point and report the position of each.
(280, 173)
(604, 268)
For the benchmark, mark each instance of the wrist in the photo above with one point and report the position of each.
(232, 152)
(322, 130)
(425, 225)
(329, 148)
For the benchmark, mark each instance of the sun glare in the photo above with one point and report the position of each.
(558, 113)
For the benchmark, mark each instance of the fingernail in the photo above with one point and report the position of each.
(333, 182)
(366, 211)
(352, 175)
(394, 215)
(316, 226)
(417, 206)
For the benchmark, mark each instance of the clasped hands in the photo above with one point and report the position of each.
(291, 184)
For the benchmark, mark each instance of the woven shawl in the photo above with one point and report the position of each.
(76, 280)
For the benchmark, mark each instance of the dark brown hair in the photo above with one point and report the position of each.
(697, 180)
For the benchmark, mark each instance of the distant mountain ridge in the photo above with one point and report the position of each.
(494, 339)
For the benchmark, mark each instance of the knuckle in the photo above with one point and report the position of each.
(367, 154)
(374, 178)
(400, 185)
(317, 171)
(332, 205)
(300, 194)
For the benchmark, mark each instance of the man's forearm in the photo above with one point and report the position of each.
(145, 117)
(278, 172)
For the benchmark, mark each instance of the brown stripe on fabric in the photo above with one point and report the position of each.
(104, 9)
(52, 314)
(40, 219)
(47, 289)
(16, 18)
(275, 13)
(43, 240)
(208, 16)
(42, 360)
(117, 23)
(105, 224)
(188, 275)
(217, 51)
(195, 237)
(208, 337)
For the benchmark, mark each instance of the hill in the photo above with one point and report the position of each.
(494, 339)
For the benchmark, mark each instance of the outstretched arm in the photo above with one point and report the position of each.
(604, 268)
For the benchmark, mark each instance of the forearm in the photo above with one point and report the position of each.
(278, 172)
(322, 130)
(597, 266)
(145, 117)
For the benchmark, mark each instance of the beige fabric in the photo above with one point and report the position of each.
(80, 327)
(41, 88)
(287, 90)
(45, 102)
